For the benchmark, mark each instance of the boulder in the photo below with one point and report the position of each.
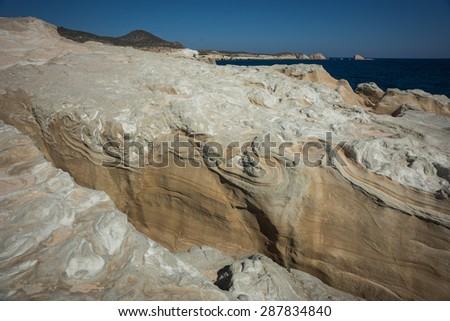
(371, 93)
(395, 98)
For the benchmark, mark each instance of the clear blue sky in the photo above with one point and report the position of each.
(383, 28)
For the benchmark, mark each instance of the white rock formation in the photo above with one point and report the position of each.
(317, 56)
(62, 241)
(256, 277)
(216, 55)
(31, 41)
(375, 224)
(185, 52)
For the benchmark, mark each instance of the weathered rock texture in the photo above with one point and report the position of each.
(317, 74)
(375, 224)
(256, 277)
(60, 241)
(370, 92)
(395, 98)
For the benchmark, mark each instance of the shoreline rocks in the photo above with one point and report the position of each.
(370, 92)
(212, 55)
(374, 222)
(317, 56)
(394, 98)
(388, 102)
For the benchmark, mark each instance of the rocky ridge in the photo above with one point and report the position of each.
(137, 39)
(373, 222)
(214, 55)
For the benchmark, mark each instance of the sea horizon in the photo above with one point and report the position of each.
(429, 75)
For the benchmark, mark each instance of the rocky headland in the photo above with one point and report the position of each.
(133, 174)
(144, 40)
(214, 55)
(137, 39)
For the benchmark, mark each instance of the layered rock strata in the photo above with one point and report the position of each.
(60, 241)
(371, 93)
(359, 200)
(394, 100)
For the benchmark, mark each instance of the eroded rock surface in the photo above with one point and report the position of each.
(371, 92)
(62, 241)
(256, 277)
(394, 98)
(374, 223)
(317, 56)
(393, 101)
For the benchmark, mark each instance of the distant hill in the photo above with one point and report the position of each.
(138, 39)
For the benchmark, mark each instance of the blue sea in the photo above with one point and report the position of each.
(431, 75)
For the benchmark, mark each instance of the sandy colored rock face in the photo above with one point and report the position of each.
(395, 98)
(370, 92)
(317, 74)
(393, 101)
(376, 224)
(60, 241)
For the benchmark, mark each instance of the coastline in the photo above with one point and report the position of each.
(375, 157)
(213, 55)
(430, 75)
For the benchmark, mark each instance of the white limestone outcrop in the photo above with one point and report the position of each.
(367, 210)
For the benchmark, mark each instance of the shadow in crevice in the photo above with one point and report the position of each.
(224, 277)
